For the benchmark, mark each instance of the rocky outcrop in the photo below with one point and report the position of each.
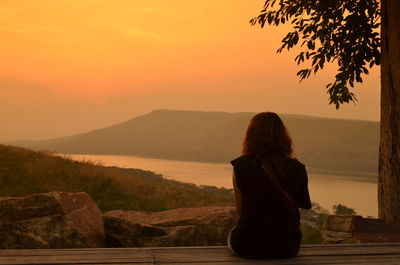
(179, 227)
(356, 229)
(51, 220)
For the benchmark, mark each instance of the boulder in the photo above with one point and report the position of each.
(203, 226)
(356, 229)
(50, 220)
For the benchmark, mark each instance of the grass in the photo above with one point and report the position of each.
(24, 172)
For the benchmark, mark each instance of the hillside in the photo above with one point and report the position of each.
(324, 145)
(24, 172)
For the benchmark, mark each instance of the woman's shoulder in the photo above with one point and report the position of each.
(244, 167)
(243, 161)
(296, 168)
(293, 162)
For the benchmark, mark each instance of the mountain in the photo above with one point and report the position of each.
(323, 144)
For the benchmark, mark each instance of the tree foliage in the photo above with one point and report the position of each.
(341, 209)
(339, 31)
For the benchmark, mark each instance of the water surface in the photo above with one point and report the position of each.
(326, 189)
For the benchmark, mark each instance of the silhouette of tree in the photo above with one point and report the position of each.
(347, 32)
(341, 209)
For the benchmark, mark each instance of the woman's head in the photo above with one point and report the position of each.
(267, 135)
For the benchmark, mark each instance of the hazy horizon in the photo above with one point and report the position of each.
(75, 66)
(116, 123)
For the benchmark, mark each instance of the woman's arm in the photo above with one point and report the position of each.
(238, 196)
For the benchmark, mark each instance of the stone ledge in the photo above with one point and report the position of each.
(51, 220)
(356, 229)
(200, 226)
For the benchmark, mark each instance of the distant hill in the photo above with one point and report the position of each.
(323, 144)
(24, 172)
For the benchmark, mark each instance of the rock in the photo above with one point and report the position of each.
(356, 229)
(50, 220)
(203, 226)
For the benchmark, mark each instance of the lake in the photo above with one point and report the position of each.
(325, 189)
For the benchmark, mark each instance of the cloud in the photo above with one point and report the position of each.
(47, 29)
(17, 86)
(96, 101)
(18, 30)
(32, 29)
(145, 34)
(158, 11)
(141, 33)
(147, 10)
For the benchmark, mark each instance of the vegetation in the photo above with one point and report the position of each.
(312, 222)
(24, 172)
(348, 32)
(341, 209)
(339, 31)
(311, 235)
(324, 145)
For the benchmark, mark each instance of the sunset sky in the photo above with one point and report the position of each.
(70, 66)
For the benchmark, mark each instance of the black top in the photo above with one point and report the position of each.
(263, 211)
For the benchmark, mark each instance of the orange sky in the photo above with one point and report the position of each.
(75, 65)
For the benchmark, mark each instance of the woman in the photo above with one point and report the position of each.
(270, 185)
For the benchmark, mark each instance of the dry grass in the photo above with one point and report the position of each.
(24, 172)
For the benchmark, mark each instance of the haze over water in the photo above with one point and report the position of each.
(325, 189)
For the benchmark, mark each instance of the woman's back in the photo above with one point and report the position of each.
(261, 202)
(266, 221)
(269, 188)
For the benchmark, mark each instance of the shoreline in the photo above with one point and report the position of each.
(368, 177)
